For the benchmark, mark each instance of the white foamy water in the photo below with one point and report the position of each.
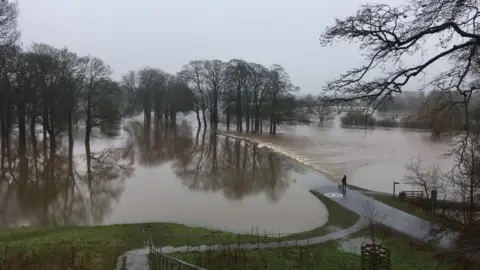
(371, 159)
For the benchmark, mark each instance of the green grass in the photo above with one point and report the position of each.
(402, 205)
(357, 188)
(83, 247)
(323, 256)
(98, 247)
(338, 217)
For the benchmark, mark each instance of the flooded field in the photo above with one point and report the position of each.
(186, 175)
(371, 159)
(177, 174)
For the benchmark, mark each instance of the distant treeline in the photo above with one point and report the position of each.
(439, 112)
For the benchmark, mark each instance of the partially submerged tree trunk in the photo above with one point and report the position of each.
(88, 132)
(238, 106)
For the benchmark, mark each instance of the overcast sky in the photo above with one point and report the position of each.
(167, 34)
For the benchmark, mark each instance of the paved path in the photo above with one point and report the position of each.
(353, 200)
(135, 259)
(361, 223)
(400, 221)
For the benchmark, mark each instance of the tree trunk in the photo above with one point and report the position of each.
(173, 114)
(33, 134)
(148, 115)
(8, 131)
(247, 112)
(22, 143)
(215, 109)
(22, 139)
(53, 145)
(257, 119)
(228, 116)
(45, 124)
(70, 143)
(273, 116)
(198, 118)
(204, 117)
(88, 132)
(238, 105)
(3, 140)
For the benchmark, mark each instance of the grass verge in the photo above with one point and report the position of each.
(403, 206)
(338, 218)
(80, 247)
(323, 256)
(98, 247)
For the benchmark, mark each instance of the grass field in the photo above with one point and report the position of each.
(81, 247)
(98, 247)
(324, 256)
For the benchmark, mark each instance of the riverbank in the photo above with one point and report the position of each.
(94, 247)
(98, 247)
(335, 254)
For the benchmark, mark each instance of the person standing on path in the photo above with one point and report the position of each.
(344, 183)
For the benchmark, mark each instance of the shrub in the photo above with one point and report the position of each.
(387, 122)
(358, 118)
(415, 121)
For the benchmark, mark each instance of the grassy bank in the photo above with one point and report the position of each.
(401, 205)
(98, 247)
(338, 218)
(323, 256)
(82, 247)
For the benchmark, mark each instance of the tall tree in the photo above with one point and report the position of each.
(213, 76)
(193, 74)
(101, 98)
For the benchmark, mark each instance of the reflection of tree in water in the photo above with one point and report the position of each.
(237, 168)
(209, 163)
(159, 145)
(50, 191)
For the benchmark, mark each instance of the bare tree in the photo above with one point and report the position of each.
(193, 75)
(374, 220)
(323, 110)
(213, 75)
(427, 179)
(390, 36)
(465, 178)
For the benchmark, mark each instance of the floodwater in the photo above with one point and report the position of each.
(372, 159)
(188, 176)
(179, 174)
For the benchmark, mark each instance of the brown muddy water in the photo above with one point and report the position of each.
(170, 175)
(371, 159)
(190, 177)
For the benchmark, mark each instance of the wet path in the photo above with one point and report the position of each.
(393, 218)
(361, 223)
(138, 258)
(366, 207)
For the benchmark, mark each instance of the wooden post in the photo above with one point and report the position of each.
(394, 184)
